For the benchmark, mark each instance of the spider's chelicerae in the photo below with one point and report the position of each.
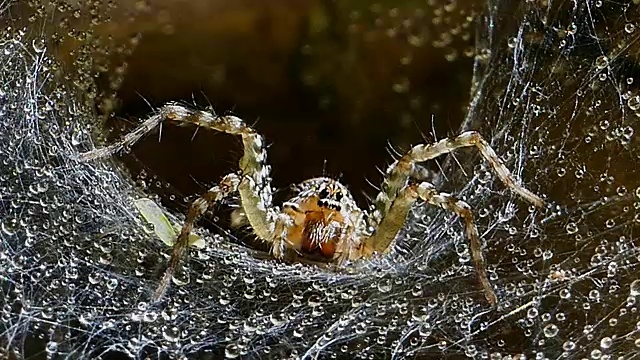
(322, 219)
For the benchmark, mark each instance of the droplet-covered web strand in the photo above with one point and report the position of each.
(322, 220)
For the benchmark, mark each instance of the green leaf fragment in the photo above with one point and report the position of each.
(164, 229)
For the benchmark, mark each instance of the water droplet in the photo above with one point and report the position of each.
(610, 223)
(384, 286)
(621, 190)
(10, 226)
(568, 345)
(634, 103)
(471, 351)
(416, 40)
(634, 288)
(112, 284)
(419, 314)
(314, 300)
(629, 28)
(232, 351)
(38, 45)
(150, 316)
(602, 62)
(171, 334)
(425, 330)
(606, 342)
(278, 318)
(52, 347)
(402, 86)
(550, 330)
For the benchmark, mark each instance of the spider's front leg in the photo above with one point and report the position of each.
(253, 185)
(278, 238)
(392, 204)
(398, 173)
(227, 186)
(176, 114)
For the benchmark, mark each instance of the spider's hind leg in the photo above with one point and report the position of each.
(227, 186)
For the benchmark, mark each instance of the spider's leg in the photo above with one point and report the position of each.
(398, 173)
(393, 222)
(255, 185)
(174, 113)
(428, 193)
(279, 236)
(255, 188)
(227, 186)
(389, 226)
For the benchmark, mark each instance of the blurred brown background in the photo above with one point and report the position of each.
(322, 80)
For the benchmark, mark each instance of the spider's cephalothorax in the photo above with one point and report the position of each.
(322, 218)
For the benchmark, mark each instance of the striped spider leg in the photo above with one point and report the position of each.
(227, 186)
(253, 183)
(397, 196)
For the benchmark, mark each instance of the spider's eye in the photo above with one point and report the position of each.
(338, 196)
(323, 194)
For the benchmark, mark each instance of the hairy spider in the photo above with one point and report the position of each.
(322, 219)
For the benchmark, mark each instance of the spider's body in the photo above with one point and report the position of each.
(323, 216)
(322, 219)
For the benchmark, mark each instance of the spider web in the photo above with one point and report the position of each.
(556, 87)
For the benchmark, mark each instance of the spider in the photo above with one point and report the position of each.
(322, 219)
